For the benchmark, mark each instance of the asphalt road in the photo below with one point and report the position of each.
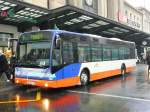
(108, 95)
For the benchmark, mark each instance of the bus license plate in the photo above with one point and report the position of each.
(31, 83)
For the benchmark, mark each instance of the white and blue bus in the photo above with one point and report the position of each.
(56, 58)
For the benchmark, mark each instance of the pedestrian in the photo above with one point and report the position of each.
(148, 62)
(12, 66)
(144, 58)
(4, 67)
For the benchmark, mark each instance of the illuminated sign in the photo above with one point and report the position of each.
(33, 37)
(122, 17)
(7, 13)
(133, 23)
(11, 13)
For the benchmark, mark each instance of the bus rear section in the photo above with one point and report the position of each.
(60, 59)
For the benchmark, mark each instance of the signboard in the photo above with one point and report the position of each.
(11, 13)
(122, 17)
(133, 23)
(7, 13)
(33, 37)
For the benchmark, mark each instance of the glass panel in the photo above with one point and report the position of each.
(115, 54)
(121, 53)
(56, 57)
(35, 54)
(106, 53)
(127, 53)
(68, 52)
(84, 52)
(96, 52)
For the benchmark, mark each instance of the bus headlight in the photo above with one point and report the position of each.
(46, 85)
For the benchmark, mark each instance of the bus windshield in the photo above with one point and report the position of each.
(34, 49)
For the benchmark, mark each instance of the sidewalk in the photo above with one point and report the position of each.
(6, 86)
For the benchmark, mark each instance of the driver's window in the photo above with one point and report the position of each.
(57, 57)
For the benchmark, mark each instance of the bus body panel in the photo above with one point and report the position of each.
(104, 69)
(71, 77)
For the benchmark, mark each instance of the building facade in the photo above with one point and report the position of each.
(6, 32)
(95, 6)
(134, 17)
(146, 19)
(41, 3)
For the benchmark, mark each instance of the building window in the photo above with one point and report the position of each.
(130, 15)
(134, 18)
(137, 19)
(126, 13)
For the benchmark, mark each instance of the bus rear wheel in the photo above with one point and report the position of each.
(84, 78)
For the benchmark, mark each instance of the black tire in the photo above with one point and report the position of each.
(84, 78)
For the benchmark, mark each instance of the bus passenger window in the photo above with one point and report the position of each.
(68, 56)
(127, 53)
(106, 54)
(121, 53)
(115, 53)
(84, 53)
(96, 53)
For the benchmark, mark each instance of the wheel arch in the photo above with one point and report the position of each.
(86, 69)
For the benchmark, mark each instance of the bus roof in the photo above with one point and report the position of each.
(82, 34)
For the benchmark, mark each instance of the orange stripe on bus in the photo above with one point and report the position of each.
(52, 84)
(110, 73)
(69, 81)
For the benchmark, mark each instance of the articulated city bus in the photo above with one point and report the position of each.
(55, 58)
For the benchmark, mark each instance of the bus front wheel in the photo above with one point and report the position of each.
(84, 77)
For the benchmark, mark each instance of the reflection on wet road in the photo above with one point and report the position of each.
(108, 95)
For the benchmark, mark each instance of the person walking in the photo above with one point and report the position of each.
(12, 66)
(144, 58)
(4, 67)
(148, 62)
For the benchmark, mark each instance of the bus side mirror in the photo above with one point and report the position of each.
(58, 42)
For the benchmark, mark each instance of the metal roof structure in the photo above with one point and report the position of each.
(20, 14)
(70, 18)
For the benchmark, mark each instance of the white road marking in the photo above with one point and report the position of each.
(113, 96)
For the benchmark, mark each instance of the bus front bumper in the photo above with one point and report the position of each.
(40, 83)
(49, 83)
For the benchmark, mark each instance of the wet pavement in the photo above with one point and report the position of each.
(108, 95)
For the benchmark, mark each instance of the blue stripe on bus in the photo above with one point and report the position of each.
(68, 71)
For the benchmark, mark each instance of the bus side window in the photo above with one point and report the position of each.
(127, 53)
(68, 56)
(115, 53)
(84, 52)
(106, 53)
(96, 50)
(121, 53)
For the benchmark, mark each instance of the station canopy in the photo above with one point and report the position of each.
(20, 14)
(70, 18)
